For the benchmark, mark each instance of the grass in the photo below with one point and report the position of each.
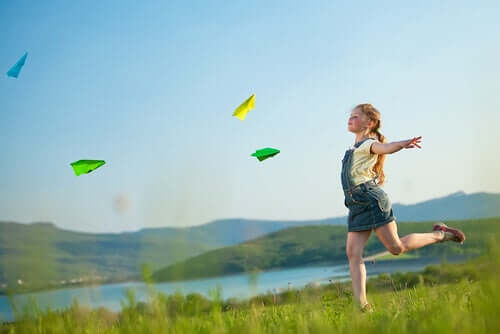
(461, 298)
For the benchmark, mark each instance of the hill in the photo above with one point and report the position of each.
(41, 252)
(314, 245)
(455, 206)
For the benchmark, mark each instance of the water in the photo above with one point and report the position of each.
(237, 286)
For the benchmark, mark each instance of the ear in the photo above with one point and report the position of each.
(371, 124)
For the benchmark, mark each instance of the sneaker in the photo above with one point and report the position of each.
(450, 233)
(367, 308)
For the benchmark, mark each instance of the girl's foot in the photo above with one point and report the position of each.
(367, 308)
(450, 233)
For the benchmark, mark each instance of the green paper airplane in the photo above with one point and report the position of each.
(265, 153)
(86, 166)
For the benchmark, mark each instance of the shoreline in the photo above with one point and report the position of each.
(369, 263)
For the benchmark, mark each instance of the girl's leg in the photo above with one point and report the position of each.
(356, 242)
(388, 235)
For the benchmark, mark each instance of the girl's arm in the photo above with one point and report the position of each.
(388, 148)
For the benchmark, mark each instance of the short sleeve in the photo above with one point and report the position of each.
(365, 147)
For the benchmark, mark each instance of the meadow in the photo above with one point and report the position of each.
(449, 298)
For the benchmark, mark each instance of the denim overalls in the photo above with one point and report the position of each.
(369, 206)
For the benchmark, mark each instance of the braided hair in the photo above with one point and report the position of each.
(374, 115)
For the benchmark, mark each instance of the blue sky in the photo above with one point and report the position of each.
(150, 87)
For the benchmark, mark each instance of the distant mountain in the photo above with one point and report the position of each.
(234, 231)
(458, 205)
(309, 245)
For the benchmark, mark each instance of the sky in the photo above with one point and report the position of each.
(150, 87)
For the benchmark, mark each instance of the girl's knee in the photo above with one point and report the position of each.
(354, 253)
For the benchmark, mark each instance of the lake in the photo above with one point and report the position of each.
(237, 286)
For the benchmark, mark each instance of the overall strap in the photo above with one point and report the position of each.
(358, 144)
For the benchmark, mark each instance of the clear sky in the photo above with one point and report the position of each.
(150, 86)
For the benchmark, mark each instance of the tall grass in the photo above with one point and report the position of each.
(444, 299)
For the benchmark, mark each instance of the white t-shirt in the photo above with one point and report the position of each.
(363, 162)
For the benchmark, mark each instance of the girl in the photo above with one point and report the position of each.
(369, 207)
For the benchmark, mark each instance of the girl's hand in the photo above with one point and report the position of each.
(412, 143)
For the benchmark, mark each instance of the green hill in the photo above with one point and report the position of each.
(309, 245)
(41, 253)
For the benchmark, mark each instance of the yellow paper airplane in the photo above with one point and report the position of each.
(242, 111)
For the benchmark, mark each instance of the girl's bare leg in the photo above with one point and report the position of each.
(388, 235)
(356, 242)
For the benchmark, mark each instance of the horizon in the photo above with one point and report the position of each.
(460, 192)
(150, 88)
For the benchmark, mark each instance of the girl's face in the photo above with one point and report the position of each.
(358, 122)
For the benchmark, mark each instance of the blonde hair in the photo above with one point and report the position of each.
(374, 115)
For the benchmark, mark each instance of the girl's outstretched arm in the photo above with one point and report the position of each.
(393, 147)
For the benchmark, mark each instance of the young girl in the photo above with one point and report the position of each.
(369, 207)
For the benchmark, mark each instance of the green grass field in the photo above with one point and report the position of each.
(458, 298)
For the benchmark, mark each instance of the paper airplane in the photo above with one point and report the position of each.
(242, 111)
(16, 69)
(86, 166)
(265, 153)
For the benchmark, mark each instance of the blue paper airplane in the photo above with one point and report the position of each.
(16, 69)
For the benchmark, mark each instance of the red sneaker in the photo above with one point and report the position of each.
(450, 233)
